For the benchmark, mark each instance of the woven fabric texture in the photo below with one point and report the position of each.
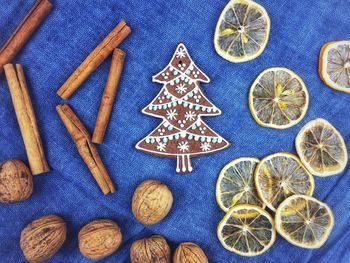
(69, 34)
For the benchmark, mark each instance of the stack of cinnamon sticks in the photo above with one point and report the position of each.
(24, 109)
(18, 87)
(79, 134)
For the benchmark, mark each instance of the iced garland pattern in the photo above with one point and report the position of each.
(181, 103)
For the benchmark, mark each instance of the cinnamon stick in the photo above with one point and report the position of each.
(108, 97)
(24, 31)
(26, 118)
(86, 148)
(96, 57)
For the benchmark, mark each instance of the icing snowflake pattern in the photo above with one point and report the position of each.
(171, 114)
(183, 147)
(205, 146)
(181, 88)
(161, 146)
(190, 116)
(180, 53)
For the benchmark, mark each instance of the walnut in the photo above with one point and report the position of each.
(189, 253)
(16, 182)
(151, 202)
(150, 250)
(42, 238)
(99, 239)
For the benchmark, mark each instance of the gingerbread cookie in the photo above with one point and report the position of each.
(181, 103)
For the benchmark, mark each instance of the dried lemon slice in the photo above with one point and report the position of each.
(304, 221)
(334, 65)
(281, 175)
(242, 31)
(235, 184)
(278, 98)
(247, 230)
(321, 148)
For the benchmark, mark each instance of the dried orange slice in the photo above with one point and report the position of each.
(281, 175)
(247, 230)
(278, 98)
(321, 148)
(334, 65)
(304, 221)
(235, 184)
(242, 31)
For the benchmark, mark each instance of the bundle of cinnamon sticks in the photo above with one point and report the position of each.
(79, 134)
(23, 105)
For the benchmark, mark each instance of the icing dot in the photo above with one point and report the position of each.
(197, 107)
(177, 136)
(183, 134)
(165, 139)
(147, 140)
(202, 139)
(196, 138)
(190, 137)
(219, 140)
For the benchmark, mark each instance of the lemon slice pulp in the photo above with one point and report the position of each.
(279, 176)
(235, 184)
(278, 98)
(247, 230)
(304, 221)
(242, 31)
(321, 148)
(334, 65)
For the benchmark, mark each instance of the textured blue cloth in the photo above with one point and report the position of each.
(74, 28)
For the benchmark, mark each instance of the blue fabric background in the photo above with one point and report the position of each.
(74, 28)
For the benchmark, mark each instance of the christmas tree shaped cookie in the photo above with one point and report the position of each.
(181, 103)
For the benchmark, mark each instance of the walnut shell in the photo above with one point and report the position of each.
(189, 253)
(42, 238)
(150, 250)
(99, 239)
(16, 182)
(151, 202)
